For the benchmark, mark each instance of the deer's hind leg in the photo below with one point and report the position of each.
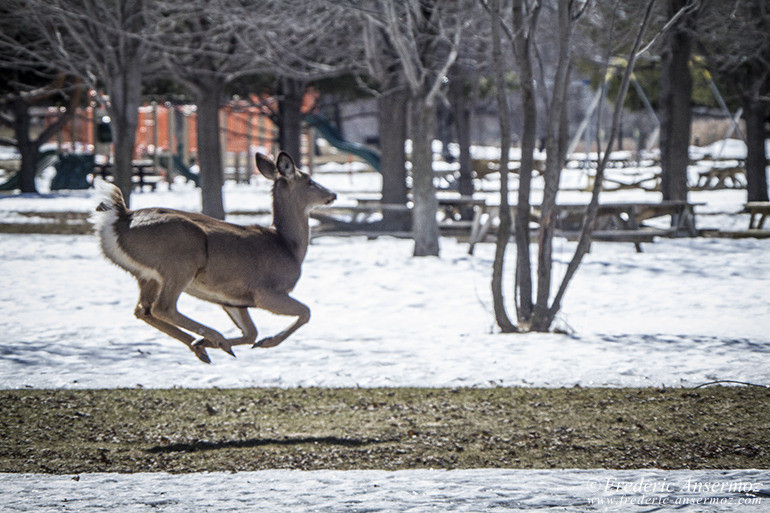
(164, 308)
(148, 294)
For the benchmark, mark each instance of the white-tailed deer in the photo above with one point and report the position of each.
(237, 267)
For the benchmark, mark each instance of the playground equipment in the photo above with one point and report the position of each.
(45, 159)
(72, 170)
(333, 135)
(177, 165)
(617, 64)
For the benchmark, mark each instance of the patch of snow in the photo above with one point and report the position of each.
(413, 491)
(683, 312)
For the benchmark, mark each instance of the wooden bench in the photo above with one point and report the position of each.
(620, 222)
(645, 181)
(353, 218)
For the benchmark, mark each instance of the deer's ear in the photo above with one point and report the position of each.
(285, 165)
(266, 167)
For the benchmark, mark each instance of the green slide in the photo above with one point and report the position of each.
(332, 134)
(178, 166)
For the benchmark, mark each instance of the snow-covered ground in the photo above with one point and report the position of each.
(684, 312)
(413, 491)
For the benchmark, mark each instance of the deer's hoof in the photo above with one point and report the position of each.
(227, 349)
(200, 352)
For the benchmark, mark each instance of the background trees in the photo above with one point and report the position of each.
(423, 39)
(105, 44)
(733, 36)
(201, 50)
(28, 80)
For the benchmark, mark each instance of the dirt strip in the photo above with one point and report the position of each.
(183, 430)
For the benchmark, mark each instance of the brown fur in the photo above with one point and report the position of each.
(171, 251)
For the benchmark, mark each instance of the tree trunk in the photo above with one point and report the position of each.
(675, 111)
(556, 142)
(424, 222)
(290, 117)
(210, 150)
(27, 147)
(523, 52)
(29, 154)
(392, 121)
(461, 108)
(124, 89)
(756, 159)
(504, 229)
(124, 134)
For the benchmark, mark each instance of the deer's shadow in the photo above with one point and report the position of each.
(204, 445)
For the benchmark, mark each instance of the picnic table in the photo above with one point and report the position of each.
(648, 181)
(758, 212)
(143, 173)
(619, 221)
(717, 177)
(368, 210)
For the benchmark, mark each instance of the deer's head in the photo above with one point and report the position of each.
(292, 185)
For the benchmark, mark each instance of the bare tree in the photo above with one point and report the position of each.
(201, 50)
(504, 229)
(392, 99)
(425, 36)
(29, 78)
(525, 19)
(538, 315)
(675, 100)
(568, 15)
(103, 43)
(462, 95)
(297, 42)
(734, 40)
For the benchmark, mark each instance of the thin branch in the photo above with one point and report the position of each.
(691, 6)
(588, 221)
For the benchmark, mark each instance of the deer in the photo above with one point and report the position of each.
(171, 252)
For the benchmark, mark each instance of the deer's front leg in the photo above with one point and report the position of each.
(283, 304)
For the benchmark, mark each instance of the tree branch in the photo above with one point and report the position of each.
(588, 221)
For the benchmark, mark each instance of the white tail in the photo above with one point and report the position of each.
(237, 267)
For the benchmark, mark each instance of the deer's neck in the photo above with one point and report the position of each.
(293, 224)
